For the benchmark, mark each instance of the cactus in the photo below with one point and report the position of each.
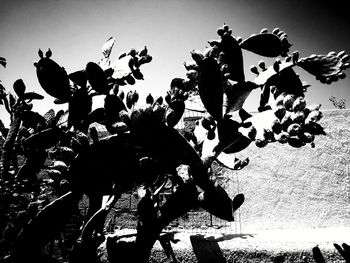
(142, 142)
(226, 79)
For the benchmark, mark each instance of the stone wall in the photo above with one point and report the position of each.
(297, 188)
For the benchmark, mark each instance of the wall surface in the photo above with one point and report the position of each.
(287, 187)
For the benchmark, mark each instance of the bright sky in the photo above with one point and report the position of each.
(75, 31)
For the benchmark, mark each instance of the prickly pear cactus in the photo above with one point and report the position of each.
(218, 76)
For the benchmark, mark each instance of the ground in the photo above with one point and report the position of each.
(284, 245)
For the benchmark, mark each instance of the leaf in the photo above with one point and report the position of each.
(326, 68)
(121, 67)
(218, 203)
(174, 113)
(244, 115)
(3, 62)
(97, 115)
(31, 119)
(58, 117)
(79, 107)
(44, 139)
(270, 72)
(62, 117)
(2, 88)
(317, 255)
(236, 95)
(112, 106)
(59, 101)
(210, 87)
(32, 96)
(97, 78)
(53, 79)
(129, 101)
(12, 100)
(2, 127)
(288, 81)
(233, 57)
(79, 78)
(19, 87)
(107, 47)
(267, 45)
(230, 139)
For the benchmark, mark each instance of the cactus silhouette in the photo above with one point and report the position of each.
(141, 147)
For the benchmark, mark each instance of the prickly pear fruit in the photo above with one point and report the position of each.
(268, 135)
(261, 143)
(288, 101)
(314, 116)
(211, 134)
(294, 129)
(252, 133)
(298, 117)
(299, 104)
(286, 121)
(192, 74)
(280, 112)
(220, 31)
(307, 137)
(178, 83)
(197, 56)
(130, 79)
(19, 87)
(149, 99)
(296, 142)
(174, 114)
(159, 111)
(206, 124)
(279, 100)
(135, 97)
(314, 128)
(191, 65)
(159, 100)
(254, 69)
(129, 99)
(276, 126)
(283, 137)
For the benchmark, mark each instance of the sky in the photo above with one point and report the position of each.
(75, 31)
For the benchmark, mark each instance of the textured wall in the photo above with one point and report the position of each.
(293, 188)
